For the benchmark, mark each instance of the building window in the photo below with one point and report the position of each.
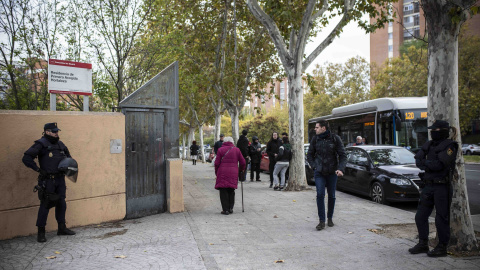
(416, 19)
(390, 35)
(390, 48)
(408, 9)
(416, 7)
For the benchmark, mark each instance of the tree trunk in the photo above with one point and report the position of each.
(296, 129)
(443, 104)
(218, 123)
(200, 132)
(184, 151)
(234, 113)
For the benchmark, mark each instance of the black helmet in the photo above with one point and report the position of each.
(70, 167)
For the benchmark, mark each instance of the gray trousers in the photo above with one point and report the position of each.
(279, 168)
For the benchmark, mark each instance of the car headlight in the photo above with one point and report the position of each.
(400, 181)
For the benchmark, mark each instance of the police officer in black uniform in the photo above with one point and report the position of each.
(437, 159)
(50, 151)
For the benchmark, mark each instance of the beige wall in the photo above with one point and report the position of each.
(99, 194)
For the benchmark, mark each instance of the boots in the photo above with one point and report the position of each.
(421, 247)
(330, 222)
(63, 230)
(439, 251)
(41, 235)
(320, 226)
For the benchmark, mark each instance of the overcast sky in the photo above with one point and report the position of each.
(353, 41)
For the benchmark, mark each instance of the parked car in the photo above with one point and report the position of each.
(265, 162)
(471, 149)
(209, 154)
(384, 173)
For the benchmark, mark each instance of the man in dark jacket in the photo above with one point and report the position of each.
(50, 151)
(437, 159)
(272, 150)
(327, 157)
(218, 144)
(255, 158)
(242, 144)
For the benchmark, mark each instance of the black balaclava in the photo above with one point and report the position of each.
(52, 139)
(442, 134)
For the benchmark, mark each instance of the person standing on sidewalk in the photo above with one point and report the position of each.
(218, 144)
(255, 158)
(282, 163)
(437, 159)
(242, 144)
(327, 155)
(194, 152)
(50, 152)
(272, 149)
(229, 160)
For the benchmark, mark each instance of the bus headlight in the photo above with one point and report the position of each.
(400, 181)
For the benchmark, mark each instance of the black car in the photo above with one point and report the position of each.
(384, 173)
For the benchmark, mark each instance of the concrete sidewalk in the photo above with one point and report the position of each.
(276, 226)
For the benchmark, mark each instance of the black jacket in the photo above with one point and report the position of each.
(255, 155)
(436, 158)
(194, 149)
(281, 153)
(326, 155)
(242, 144)
(217, 146)
(273, 147)
(49, 155)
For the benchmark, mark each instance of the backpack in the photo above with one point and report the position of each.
(287, 152)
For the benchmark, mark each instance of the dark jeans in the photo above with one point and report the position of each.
(434, 195)
(271, 167)
(330, 182)
(227, 198)
(255, 167)
(57, 186)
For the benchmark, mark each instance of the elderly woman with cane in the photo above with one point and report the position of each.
(227, 163)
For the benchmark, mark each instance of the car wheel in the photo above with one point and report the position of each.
(377, 193)
(469, 153)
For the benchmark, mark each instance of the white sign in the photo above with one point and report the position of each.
(67, 77)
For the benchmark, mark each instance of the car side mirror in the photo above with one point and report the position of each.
(365, 164)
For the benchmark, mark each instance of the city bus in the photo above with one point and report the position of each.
(400, 121)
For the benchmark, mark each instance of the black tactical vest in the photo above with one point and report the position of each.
(51, 155)
(432, 152)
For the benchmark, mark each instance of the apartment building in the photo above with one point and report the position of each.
(409, 23)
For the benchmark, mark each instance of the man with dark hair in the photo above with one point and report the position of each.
(218, 144)
(50, 151)
(242, 144)
(437, 158)
(272, 150)
(256, 157)
(327, 157)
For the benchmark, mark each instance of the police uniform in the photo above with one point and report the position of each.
(50, 151)
(437, 159)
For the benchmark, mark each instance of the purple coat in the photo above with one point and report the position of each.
(226, 170)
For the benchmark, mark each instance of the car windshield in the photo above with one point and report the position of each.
(396, 156)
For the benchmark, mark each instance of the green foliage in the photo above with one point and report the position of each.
(337, 85)
(475, 159)
(262, 125)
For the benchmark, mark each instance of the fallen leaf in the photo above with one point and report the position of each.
(58, 252)
(211, 244)
(121, 256)
(289, 235)
(51, 257)
(294, 201)
(275, 216)
(279, 261)
(350, 232)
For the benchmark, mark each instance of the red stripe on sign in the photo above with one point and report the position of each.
(69, 63)
(69, 92)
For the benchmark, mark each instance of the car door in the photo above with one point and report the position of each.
(345, 180)
(360, 171)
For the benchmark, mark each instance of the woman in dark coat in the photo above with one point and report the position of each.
(272, 150)
(194, 152)
(227, 163)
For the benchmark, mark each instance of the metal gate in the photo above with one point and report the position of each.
(145, 166)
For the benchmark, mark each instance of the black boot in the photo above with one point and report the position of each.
(439, 251)
(320, 226)
(63, 230)
(421, 247)
(330, 222)
(41, 235)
